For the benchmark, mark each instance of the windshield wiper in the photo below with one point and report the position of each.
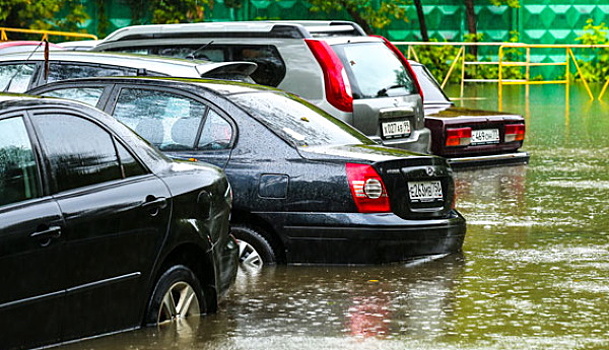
(191, 56)
(383, 92)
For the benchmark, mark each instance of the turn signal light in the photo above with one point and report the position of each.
(338, 87)
(458, 137)
(367, 189)
(514, 132)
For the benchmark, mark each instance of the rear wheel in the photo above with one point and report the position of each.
(177, 296)
(254, 249)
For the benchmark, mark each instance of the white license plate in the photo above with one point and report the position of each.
(425, 191)
(397, 128)
(485, 136)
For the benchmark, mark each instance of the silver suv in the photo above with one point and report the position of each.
(357, 78)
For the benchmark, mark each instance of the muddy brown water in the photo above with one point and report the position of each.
(533, 273)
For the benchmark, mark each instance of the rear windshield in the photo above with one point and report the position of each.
(374, 70)
(431, 89)
(298, 123)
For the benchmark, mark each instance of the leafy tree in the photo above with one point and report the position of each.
(179, 11)
(596, 67)
(369, 14)
(42, 14)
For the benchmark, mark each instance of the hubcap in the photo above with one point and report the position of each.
(248, 256)
(179, 302)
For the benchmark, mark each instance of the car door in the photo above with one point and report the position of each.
(116, 219)
(182, 125)
(31, 245)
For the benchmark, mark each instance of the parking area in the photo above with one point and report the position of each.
(532, 274)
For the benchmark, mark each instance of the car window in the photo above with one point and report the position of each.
(378, 75)
(431, 89)
(299, 123)
(89, 95)
(18, 170)
(78, 152)
(217, 132)
(16, 77)
(167, 120)
(271, 68)
(62, 71)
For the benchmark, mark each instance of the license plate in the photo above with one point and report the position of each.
(425, 191)
(396, 129)
(485, 136)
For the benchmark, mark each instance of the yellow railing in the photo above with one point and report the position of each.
(44, 33)
(501, 63)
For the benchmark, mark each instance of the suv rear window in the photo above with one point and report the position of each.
(271, 68)
(374, 75)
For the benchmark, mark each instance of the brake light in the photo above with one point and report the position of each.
(338, 87)
(458, 137)
(404, 61)
(514, 132)
(367, 189)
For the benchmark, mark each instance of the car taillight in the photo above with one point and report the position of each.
(404, 61)
(338, 87)
(458, 137)
(514, 132)
(367, 189)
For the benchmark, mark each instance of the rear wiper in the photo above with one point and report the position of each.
(383, 92)
(191, 55)
(19, 68)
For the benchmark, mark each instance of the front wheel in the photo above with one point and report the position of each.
(254, 249)
(177, 295)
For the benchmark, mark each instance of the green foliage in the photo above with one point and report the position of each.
(596, 67)
(179, 11)
(370, 14)
(42, 14)
(510, 3)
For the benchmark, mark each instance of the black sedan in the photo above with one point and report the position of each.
(99, 232)
(308, 188)
(469, 137)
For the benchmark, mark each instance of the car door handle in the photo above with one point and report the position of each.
(154, 205)
(46, 236)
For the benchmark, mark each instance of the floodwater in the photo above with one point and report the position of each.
(533, 273)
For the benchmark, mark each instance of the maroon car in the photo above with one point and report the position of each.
(469, 137)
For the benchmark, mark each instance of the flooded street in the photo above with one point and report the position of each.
(533, 273)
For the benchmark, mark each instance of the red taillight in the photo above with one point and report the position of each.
(458, 137)
(514, 132)
(367, 189)
(338, 87)
(404, 61)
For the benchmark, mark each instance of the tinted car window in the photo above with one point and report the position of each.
(271, 68)
(18, 170)
(430, 86)
(217, 132)
(78, 152)
(62, 71)
(378, 75)
(16, 77)
(296, 122)
(89, 95)
(169, 121)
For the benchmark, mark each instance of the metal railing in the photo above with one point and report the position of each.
(502, 63)
(43, 33)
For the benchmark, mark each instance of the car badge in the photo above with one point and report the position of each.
(430, 171)
(396, 102)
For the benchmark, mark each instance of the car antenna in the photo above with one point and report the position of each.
(10, 81)
(46, 59)
(192, 54)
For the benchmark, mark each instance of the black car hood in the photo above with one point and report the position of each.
(370, 153)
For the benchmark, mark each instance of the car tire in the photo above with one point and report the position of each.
(254, 249)
(176, 296)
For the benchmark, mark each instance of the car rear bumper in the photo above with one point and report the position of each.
(489, 160)
(355, 238)
(419, 141)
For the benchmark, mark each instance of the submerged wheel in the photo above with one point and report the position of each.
(254, 249)
(177, 295)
